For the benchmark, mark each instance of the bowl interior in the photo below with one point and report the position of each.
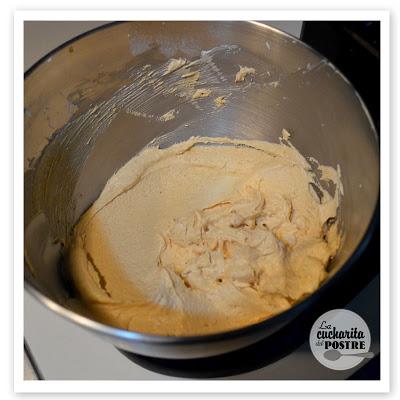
(95, 103)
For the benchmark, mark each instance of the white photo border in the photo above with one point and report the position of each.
(199, 386)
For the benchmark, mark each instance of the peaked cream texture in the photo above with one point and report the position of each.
(208, 235)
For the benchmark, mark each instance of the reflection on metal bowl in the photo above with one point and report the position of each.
(88, 110)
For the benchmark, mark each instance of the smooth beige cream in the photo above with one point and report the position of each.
(208, 235)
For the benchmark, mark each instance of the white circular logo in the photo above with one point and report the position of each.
(340, 339)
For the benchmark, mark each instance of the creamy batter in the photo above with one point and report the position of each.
(243, 72)
(205, 236)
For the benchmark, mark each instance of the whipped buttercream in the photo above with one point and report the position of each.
(205, 236)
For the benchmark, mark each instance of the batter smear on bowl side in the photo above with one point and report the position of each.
(207, 235)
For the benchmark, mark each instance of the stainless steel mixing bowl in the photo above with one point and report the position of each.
(91, 105)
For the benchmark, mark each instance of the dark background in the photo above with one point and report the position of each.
(354, 47)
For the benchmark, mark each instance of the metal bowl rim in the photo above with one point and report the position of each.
(132, 336)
